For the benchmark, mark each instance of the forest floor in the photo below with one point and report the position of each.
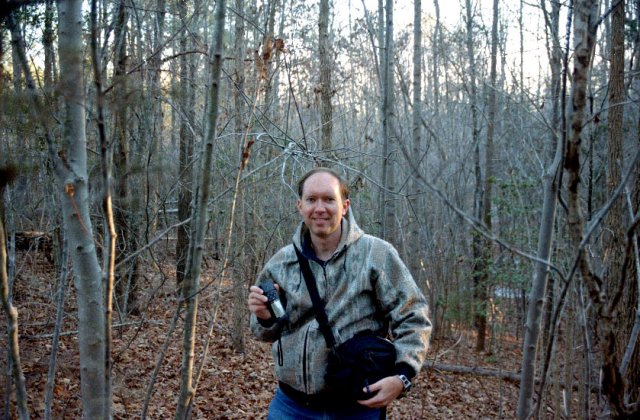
(233, 385)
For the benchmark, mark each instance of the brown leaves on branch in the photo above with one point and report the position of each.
(268, 47)
(246, 152)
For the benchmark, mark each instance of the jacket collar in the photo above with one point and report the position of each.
(351, 232)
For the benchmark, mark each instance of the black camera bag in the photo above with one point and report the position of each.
(357, 363)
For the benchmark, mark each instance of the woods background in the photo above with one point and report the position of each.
(150, 148)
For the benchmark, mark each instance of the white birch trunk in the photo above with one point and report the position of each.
(73, 182)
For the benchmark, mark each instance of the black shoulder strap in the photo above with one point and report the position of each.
(318, 305)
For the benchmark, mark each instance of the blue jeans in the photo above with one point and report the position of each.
(282, 408)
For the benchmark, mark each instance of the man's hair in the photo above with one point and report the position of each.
(344, 188)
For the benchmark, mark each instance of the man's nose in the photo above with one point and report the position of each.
(320, 206)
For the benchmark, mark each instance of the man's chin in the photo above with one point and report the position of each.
(323, 232)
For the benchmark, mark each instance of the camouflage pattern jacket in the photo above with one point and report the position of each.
(364, 285)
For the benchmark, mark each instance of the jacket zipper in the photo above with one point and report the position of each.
(326, 281)
(304, 361)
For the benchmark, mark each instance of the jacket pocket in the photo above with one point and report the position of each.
(304, 359)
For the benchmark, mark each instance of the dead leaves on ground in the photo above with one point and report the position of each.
(233, 385)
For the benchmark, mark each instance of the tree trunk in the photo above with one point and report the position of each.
(415, 199)
(121, 160)
(387, 202)
(240, 280)
(185, 171)
(146, 144)
(479, 300)
(486, 259)
(107, 208)
(265, 77)
(614, 238)
(73, 180)
(16, 37)
(201, 218)
(604, 300)
(630, 365)
(545, 236)
(326, 89)
(521, 32)
(7, 175)
(436, 60)
(48, 36)
(382, 197)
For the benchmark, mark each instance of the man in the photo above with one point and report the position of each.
(365, 287)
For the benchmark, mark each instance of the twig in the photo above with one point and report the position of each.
(153, 242)
(51, 375)
(161, 355)
(76, 332)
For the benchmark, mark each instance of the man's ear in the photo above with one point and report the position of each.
(299, 205)
(345, 206)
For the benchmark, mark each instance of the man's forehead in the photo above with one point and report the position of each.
(321, 181)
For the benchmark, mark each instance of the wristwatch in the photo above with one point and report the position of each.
(406, 383)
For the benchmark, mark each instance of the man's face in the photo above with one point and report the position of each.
(322, 206)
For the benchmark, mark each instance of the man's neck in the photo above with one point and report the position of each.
(324, 247)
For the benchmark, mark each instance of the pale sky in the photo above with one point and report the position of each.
(451, 12)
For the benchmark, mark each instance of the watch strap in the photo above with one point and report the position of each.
(406, 383)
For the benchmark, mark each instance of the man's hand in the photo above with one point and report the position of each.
(258, 302)
(388, 389)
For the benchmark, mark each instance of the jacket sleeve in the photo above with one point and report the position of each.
(407, 309)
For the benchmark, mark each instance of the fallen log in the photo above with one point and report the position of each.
(35, 241)
(494, 373)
